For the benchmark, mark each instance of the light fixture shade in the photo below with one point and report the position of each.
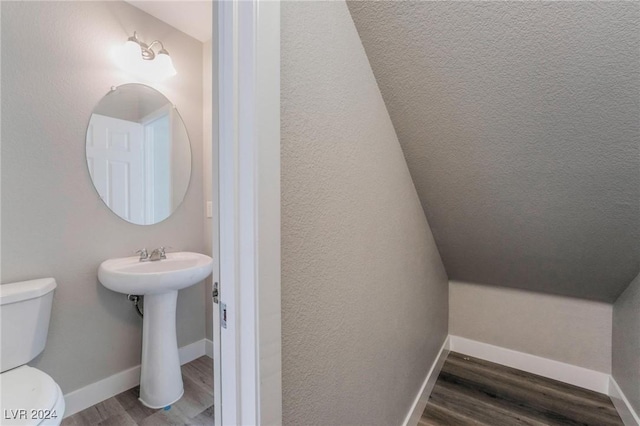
(164, 66)
(131, 51)
(129, 57)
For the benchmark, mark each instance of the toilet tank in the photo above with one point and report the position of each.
(25, 309)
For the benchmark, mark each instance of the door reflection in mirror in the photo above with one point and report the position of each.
(138, 154)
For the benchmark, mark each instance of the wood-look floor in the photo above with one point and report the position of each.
(194, 408)
(470, 391)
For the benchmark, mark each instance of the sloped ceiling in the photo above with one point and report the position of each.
(520, 123)
(194, 18)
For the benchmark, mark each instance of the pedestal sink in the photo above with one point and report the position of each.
(159, 282)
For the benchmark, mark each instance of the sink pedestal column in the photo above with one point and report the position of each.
(160, 378)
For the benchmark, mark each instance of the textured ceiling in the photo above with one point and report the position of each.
(520, 123)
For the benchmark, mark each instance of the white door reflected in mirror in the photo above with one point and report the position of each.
(138, 154)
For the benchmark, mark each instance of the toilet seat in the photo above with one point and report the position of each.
(29, 389)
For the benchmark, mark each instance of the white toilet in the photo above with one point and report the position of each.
(28, 396)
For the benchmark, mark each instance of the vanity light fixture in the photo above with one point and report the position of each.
(140, 59)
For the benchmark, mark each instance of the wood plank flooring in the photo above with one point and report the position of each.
(470, 391)
(194, 408)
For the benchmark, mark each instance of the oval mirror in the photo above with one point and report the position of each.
(138, 154)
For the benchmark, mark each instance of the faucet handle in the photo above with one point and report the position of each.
(163, 254)
(143, 254)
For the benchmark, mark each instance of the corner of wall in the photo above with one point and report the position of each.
(626, 343)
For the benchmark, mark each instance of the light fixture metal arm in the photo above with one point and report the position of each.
(161, 69)
(158, 42)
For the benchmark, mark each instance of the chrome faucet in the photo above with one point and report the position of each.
(157, 254)
(144, 255)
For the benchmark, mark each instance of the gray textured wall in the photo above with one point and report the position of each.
(520, 125)
(364, 292)
(626, 343)
(55, 68)
(575, 331)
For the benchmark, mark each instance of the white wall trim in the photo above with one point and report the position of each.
(227, 206)
(96, 392)
(422, 398)
(103, 389)
(625, 410)
(249, 194)
(208, 348)
(192, 351)
(567, 373)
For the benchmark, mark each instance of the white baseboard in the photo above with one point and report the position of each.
(97, 392)
(420, 403)
(567, 373)
(94, 393)
(208, 348)
(625, 410)
(192, 351)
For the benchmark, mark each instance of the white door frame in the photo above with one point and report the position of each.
(249, 185)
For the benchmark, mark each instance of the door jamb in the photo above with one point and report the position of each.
(249, 190)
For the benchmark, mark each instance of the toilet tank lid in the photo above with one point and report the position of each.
(24, 290)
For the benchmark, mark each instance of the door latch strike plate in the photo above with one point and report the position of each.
(223, 315)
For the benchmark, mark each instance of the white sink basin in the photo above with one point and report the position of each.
(130, 276)
(159, 281)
